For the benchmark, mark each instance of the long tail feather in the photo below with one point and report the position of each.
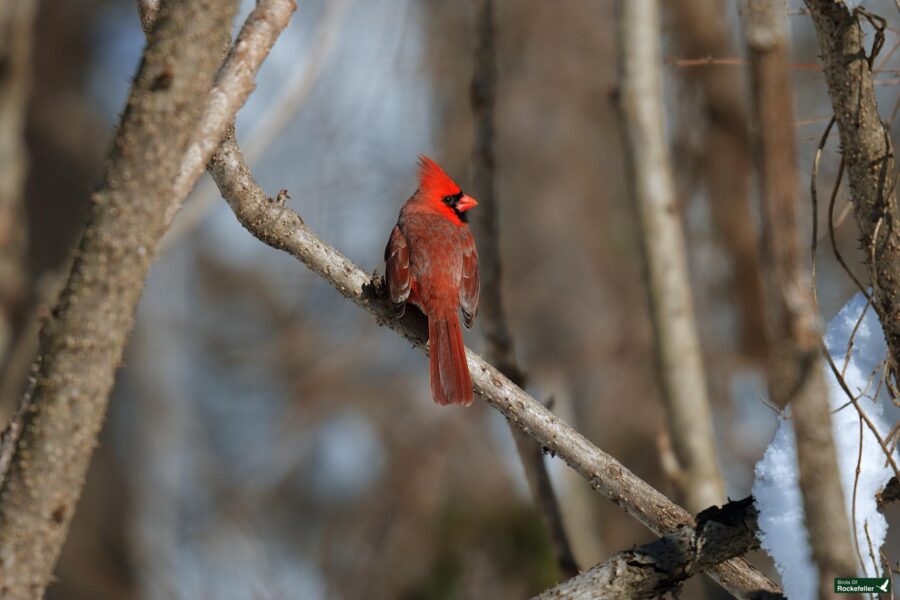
(450, 380)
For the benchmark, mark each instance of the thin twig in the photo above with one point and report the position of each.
(871, 546)
(833, 238)
(886, 569)
(853, 332)
(862, 414)
(867, 151)
(855, 490)
(708, 61)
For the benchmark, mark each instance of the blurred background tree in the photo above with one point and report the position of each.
(265, 438)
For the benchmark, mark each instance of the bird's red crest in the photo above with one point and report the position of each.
(433, 181)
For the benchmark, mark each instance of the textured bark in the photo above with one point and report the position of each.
(676, 341)
(170, 122)
(276, 225)
(795, 372)
(660, 567)
(82, 341)
(16, 23)
(148, 10)
(868, 156)
(500, 347)
(700, 29)
(657, 568)
(234, 83)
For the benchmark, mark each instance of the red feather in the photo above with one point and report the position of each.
(431, 261)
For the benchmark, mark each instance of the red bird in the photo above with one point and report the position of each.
(431, 261)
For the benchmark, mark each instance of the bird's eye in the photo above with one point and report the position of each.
(448, 200)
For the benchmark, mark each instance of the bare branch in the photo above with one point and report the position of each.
(500, 348)
(234, 83)
(868, 155)
(296, 91)
(82, 342)
(276, 225)
(657, 568)
(660, 567)
(795, 368)
(676, 341)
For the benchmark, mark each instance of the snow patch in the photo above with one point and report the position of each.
(782, 533)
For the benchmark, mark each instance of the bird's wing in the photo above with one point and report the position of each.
(396, 260)
(469, 284)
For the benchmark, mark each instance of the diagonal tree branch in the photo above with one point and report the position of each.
(657, 568)
(660, 567)
(276, 225)
(234, 83)
(45, 451)
(500, 348)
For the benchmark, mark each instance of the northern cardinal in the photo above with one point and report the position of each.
(431, 261)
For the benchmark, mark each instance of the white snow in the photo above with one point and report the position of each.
(775, 489)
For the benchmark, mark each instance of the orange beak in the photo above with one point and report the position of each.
(465, 203)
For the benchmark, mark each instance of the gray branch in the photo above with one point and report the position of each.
(276, 225)
(45, 452)
(660, 567)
